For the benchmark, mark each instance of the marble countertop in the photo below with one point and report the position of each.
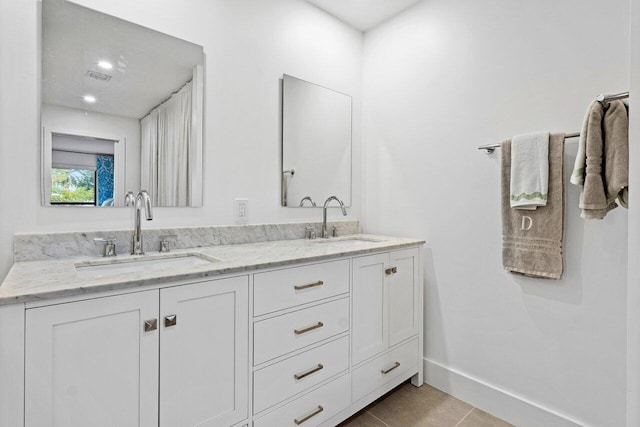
(41, 280)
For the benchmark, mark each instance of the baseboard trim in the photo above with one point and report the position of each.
(507, 406)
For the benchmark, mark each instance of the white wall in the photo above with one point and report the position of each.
(439, 80)
(77, 122)
(249, 45)
(443, 78)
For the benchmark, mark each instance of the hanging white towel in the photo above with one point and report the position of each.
(529, 170)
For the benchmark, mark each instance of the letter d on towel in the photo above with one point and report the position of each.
(527, 223)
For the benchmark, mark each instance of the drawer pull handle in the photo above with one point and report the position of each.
(171, 320)
(391, 270)
(308, 417)
(386, 371)
(310, 285)
(309, 372)
(150, 325)
(394, 270)
(308, 329)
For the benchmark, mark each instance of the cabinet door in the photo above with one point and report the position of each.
(90, 363)
(404, 313)
(204, 359)
(370, 313)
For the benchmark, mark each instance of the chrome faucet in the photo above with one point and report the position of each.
(304, 199)
(325, 235)
(142, 197)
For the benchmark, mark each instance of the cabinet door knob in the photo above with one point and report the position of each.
(391, 270)
(308, 417)
(308, 329)
(150, 325)
(170, 320)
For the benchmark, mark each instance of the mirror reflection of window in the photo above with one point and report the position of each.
(73, 186)
(101, 75)
(82, 170)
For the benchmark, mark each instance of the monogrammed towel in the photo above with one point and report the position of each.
(532, 240)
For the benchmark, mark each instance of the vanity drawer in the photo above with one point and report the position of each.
(382, 369)
(278, 381)
(310, 409)
(283, 334)
(277, 290)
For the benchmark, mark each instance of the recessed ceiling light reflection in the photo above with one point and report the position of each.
(105, 65)
(89, 98)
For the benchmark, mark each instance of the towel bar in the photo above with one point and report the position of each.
(622, 95)
(490, 148)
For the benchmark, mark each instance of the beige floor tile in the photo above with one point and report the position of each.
(409, 406)
(478, 418)
(363, 419)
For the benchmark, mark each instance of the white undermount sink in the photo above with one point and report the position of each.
(144, 263)
(346, 241)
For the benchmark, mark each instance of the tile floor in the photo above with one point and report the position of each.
(408, 406)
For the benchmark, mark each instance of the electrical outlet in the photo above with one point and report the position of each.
(241, 211)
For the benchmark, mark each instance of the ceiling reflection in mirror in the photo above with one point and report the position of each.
(122, 110)
(316, 144)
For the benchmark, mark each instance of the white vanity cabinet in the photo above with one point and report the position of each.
(303, 344)
(301, 351)
(387, 316)
(90, 363)
(204, 353)
(180, 352)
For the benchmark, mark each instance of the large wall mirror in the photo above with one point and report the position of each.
(316, 144)
(122, 110)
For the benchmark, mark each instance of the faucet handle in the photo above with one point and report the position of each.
(310, 233)
(334, 231)
(109, 245)
(129, 199)
(164, 242)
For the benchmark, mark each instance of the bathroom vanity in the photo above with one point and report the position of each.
(276, 333)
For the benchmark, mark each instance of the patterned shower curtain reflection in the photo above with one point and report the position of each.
(105, 171)
(165, 140)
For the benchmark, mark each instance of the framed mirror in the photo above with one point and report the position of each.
(316, 144)
(121, 110)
